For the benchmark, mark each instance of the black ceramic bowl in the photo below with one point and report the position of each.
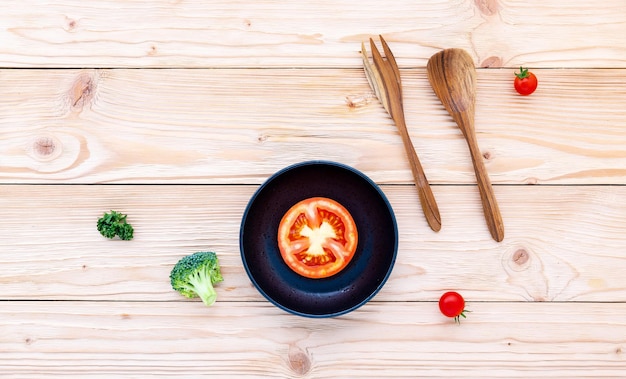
(353, 286)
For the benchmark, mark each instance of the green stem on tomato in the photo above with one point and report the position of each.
(523, 73)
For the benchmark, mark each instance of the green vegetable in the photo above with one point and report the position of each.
(114, 224)
(195, 275)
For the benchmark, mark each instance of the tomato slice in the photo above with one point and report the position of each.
(317, 237)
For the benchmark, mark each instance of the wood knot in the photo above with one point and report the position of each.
(487, 7)
(487, 155)
(518, 261)
(70, 24)
(299, 361)
(520, 257)
(82, 91)
(491, 62)
(45, 148)
(358, 101)
(532, 181)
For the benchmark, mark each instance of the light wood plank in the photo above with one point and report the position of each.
(195, 33)
(230, 92)
(562, 243)
(144, 339)
(240, 126)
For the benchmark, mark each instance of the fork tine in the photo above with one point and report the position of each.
(389, 81)
(367, 66)
(374, 79)
(379, 62)
(392, 62)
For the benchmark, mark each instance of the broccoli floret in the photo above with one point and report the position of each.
(114, 224)
(195, 275)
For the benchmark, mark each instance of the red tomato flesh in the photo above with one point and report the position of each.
(317, 237)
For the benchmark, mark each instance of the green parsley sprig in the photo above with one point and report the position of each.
(115, 224)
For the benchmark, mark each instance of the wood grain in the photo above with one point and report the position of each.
(239, 126)
(563, 243)
(146, 339)
(198, 33)
(175, 111)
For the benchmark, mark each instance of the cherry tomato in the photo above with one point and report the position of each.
(317, 237)
(525, 82)
(452, 304)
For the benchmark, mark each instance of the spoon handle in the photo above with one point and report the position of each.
(427, 199)
(490, 205)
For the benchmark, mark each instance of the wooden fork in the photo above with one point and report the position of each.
(384, 78)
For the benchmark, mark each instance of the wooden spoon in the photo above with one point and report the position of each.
(452, 75)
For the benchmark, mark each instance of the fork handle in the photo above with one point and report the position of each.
(427, 199)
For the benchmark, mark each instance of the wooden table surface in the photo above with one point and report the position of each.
(174, 112)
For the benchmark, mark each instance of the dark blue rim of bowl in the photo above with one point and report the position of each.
(345, 167)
